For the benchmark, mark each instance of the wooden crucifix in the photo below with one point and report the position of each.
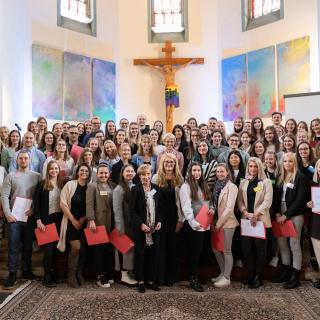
(168, 66)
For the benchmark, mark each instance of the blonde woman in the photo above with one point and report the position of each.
(109, 154)
(169, 180)
(145, 154)
(292, 198)
(169, 142)
(254, 201)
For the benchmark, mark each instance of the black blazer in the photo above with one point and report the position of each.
(296, 198)
(41, 204)
(138, 206)
(116, 168)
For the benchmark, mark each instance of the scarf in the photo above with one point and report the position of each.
(151, 217)
(219, 185)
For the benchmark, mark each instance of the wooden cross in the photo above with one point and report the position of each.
(168, 66)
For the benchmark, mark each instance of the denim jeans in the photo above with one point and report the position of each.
(20, 236)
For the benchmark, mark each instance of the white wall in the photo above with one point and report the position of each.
(15, 44)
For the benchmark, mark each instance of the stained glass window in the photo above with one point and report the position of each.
(167, 16)
(77, 15)
(256, 13)
(79, 10)
(264, 7)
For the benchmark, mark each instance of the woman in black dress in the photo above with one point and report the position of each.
(47, 210)
(73, 205)
(169, 180)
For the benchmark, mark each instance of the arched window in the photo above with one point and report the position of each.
(256, 13)
(78, 15)
(167, 20)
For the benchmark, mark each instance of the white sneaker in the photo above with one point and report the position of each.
(213, 280)
(223, 282)
(103, 283)
(126, 279)
(274, 262)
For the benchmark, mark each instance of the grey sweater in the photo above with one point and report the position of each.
(18, 184)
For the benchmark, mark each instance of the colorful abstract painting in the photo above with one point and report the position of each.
(103, 89)
(293, 68)
(47, 66)
(234, 87)
(77, 87)
(261, 82)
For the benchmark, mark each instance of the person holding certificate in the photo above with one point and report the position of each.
(99, 213)
(224, 200)
(17, 191)
(314, 224)
(73, 205)
(254, 202)
(292, 189)
(146, 223)
(194, 194)
(121, 198)
(47, 210)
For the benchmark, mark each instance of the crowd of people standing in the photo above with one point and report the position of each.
(151, 185)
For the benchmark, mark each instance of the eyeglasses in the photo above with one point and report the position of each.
(95, 123)
(303, 149)
(236, 141)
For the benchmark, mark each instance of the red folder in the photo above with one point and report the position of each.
(48, 236)
(75, 152)
(204, 218)
(98, 236)
(283, 230)
(121, 241)
(217, 240)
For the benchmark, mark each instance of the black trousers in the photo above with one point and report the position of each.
(195, 240)
(50, 249)
(255, 253)
(147, 259)
(103, 256)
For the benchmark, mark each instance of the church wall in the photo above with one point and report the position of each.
(143, 88)
(300, 19)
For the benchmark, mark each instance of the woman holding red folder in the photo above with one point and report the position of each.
(146, 223)
(314, 225)
(224, 200)
(254, 202)
(121, 198)
(194, 194)
(292, 190)
(99, 213)
(73, 205)
(47, 210)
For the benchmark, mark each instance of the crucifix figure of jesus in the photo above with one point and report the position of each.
(168, 66)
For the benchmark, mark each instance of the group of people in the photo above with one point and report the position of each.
(151, 186)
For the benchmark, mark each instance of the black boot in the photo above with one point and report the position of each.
(294, 280)
(195, 285)
(48, 281)
(249, 279)
(317, 284)
(284, 276)
(256, 282)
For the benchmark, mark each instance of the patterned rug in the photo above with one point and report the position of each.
(120, 303)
